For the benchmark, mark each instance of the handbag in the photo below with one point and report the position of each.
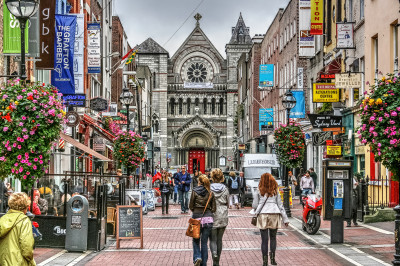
(194, 224)
(254, 218)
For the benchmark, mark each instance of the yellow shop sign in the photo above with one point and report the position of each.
(334, 150)
(325, 93)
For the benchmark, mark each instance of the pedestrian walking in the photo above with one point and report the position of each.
(314, 177)
(306, 185)
(233, 185)
(184, 181)
(3, 196)
(270, 211)
(203, 206)
(16, 237)
(242, 191)
(293, 183)
(354, 203)
(195, 179)
(221, 194)
(299, 176)
(165, 189)
(176, 179)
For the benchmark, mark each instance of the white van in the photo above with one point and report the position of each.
(254, 165)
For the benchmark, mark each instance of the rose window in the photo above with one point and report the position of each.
(197, 72)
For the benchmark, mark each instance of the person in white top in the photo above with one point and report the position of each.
(269, 210)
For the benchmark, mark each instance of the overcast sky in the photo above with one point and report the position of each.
(159, 19)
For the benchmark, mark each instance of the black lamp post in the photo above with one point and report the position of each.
(288, 102)
(126, 99)
(22, 10)
(397, 233)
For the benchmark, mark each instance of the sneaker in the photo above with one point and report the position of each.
(198, 262)
(348, 225)
(182, 212)
(355, 224)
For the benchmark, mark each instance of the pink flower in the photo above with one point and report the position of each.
(393, 113)
(19, 147)
(23, 117)
(372, 118)
(379, 145)
(16, 164)
(36, 159)
(386, 115)
(19, 157)
(393, 141)
(364, 141)
(26, 136)
(34, 167)
(5, 129)
(32, 132)
(41, 162)
(24, 130)
(14, 145)
(380, 119)
(29, 164)
(392, 122)
(21, 124)
(398, 109)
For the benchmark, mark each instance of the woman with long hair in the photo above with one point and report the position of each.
(221, 193)
(165, 189)
(203, 206)
(268, 206)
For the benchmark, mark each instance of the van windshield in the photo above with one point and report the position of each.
(255, 172)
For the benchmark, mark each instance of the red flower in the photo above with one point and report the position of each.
(30, 98)
(7, 116)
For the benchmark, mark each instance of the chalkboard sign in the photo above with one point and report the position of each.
(129, 223)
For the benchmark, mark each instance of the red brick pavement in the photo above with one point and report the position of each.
(42, 254)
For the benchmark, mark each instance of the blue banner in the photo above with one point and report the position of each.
(266, 76)
(266, 119)
(63, 74)
(299, 111)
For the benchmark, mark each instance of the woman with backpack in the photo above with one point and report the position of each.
(269, 212)
(234, 190)
(203, 206)
(165, 189)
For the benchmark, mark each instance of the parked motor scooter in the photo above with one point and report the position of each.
(312, 206)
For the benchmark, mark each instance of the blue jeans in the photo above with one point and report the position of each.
(175, 193)
(305, 192)
(184, 199)
(200, 248)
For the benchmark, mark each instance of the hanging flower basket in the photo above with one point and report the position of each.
(31, 117)
(290, 144)
(380, 122)
(129, 150)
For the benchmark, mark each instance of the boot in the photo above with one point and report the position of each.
(215, 260)
(265, 260)
(272, 255)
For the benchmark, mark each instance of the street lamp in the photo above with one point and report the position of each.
(22, 10)
(288, 102)
(126, 99)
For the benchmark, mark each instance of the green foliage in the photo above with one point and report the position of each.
(31, 118)
(380, 122)
(325, 108)
(129, 150)
(290, 143)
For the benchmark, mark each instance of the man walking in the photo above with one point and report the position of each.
(306, 185)
(176, 180)
(184, 187)
(242, 186)
(314, 177)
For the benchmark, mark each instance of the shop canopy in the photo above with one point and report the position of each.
(84, 148)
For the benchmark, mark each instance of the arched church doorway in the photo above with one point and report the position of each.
(197, 143)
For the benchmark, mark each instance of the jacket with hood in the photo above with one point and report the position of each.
(198, 201)
(16, 239)
(221, 194)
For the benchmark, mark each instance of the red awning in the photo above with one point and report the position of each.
(87, 119)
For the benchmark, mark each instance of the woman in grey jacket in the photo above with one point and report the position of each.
(269, 209)
(221, 193)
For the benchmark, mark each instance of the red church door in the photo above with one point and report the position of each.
(197, 159)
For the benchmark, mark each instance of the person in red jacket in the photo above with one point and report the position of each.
(35, 208)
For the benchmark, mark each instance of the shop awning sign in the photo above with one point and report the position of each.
(325, 93)
(334, 150)
(345, 35)
(321, 138)
(325, 121)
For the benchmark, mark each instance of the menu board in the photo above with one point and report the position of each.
(129, 223)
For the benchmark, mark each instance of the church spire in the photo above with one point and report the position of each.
(240, 33)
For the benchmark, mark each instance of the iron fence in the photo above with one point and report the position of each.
(382, 191)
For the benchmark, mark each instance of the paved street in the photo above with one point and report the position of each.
(165, 243)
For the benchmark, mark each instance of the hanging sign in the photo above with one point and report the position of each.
(306, 40)
(112, 110)
(12, 33)
(300, 78)
(98, 104)
(345, 35)
(76, 100)
(325, 121)
(325, 93)
(62, 76)
(266, 119)
(334, 150)
(94, 53)
(317, 17)
(72, 119)
(78, 53)
(327, 76)
(321, 138)
(299, 110)
(266, 76)
(348, 80)
(46, 14)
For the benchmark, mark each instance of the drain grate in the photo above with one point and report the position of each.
(166, 217)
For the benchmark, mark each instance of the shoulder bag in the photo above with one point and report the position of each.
(194, 224)
(254, 219)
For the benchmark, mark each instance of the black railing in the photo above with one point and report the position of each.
(382, 193)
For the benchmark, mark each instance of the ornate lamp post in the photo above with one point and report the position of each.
(126, 99)
(22, 10)
(288, 102)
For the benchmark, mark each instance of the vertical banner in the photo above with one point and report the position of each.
(300, 78)
(63, 74)
(266, 76)
(94, 54)
(266, 119)
(345, 35)
(299, 110)
(306, 40)
(12, 33)
(78, 53)
(46, 14)
(317, 17)
(34, 39)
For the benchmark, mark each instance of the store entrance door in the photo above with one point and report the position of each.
(197, 159)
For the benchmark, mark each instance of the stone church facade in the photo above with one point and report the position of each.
(194, 98)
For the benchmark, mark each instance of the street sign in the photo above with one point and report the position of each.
(72, 119)
(241, 147)
(229, 158)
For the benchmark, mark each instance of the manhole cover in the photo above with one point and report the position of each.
(165, 217)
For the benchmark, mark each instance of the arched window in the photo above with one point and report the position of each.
(213, 106)
(221, 106)
(180, 106)
(172, 106)
(188, 105)
(197, 101)
(205, 105)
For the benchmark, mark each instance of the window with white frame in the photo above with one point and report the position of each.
(395, 48)
(361, 9)
(375, 55)
(295, 70)
(294, 27)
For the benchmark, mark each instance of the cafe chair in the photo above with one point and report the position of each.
(111, 217)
